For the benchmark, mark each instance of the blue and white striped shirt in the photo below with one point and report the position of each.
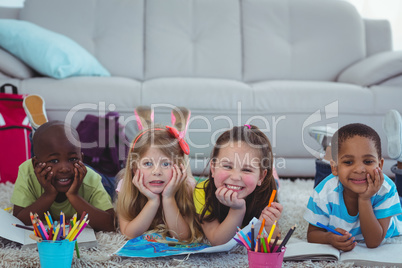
(326, 205)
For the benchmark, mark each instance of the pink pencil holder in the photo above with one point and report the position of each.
(271, 260)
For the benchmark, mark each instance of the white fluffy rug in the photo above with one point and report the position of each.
(292, 195)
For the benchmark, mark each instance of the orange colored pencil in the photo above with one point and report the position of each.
(271, 199)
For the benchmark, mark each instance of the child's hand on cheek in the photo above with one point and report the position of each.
(45, 175)
(374, 183)
(138, 181)
(271, 214)
(229, 198)
(179, 175)
(80, 171)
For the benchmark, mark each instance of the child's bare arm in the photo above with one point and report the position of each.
(321, 236)
(44, 175)
(141, 222)
(100, 220)
(177, 225)
(373, 229)
(220, 233)
(40, 206)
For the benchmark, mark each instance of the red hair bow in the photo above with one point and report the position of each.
(183, 144)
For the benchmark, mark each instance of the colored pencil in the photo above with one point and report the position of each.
(242, 240)
(274, 244)
(286, 239)
(75, 218)
(56, 233)
(328, 229)
(252, 237)
(238, 241)
(50, 218)
(271, 232)
(43, 229)
(34, 237)
(29, 228)
(61, 219)
(71, 231)
(271, 199)
(60, 232)
(264, 245)
(256, 245)
(82, 216)
(51, 233)
(246, 238)
(42, 234)
(82, 228)
(77, 250)
(36, 231)
(47, 220)
(64, 224)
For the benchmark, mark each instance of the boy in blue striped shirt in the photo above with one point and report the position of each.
(357, 199)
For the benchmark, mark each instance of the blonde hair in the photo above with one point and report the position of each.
(130, 201)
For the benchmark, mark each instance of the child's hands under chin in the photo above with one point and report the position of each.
(374, 184)
(179, 175)
(44, 175)
(80, 171)
(229, 198)
(271, 214)
(138, 181)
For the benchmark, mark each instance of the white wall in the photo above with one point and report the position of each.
(12, 3)
(383, 9)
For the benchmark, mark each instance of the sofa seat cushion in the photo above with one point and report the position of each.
(198, 93)
(386, 98)
(78, 96)
(307, 97)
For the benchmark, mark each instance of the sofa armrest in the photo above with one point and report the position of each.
(374, 69)
(14, 67)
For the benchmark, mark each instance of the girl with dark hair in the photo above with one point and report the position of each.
(239, 186)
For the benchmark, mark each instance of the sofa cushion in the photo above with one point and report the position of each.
(47, 52)
(300, 39)
(14, 67)
(386, 98)
(207, 94)
(199, 38)
(308, 96)
(374, 69)
(112, 31)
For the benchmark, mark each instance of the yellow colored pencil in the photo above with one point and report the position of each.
(271, 232)
(47, 220)
(79, 228)
(75, 218)
(71, 231)
(56, 232)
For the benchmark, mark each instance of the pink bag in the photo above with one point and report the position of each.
(15, 146)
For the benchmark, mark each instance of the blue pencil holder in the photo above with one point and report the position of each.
(56, 253)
